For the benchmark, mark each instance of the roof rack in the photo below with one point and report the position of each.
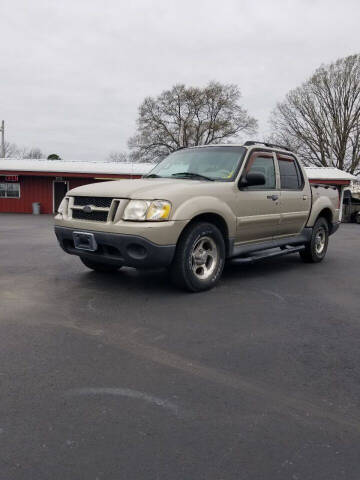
(270, 145)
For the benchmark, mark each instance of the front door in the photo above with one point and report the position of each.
(60, 190)
(258, 214)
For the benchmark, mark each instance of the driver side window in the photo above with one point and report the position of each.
(264, 165)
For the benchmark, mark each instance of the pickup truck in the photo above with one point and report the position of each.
(198, 208)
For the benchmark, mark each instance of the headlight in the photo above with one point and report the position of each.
(158, 210)
(142, 210)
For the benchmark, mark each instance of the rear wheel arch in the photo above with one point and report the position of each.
(327, 214)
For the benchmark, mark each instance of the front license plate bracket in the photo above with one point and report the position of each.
(85, 241)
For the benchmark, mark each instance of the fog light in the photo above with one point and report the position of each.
(136, 251)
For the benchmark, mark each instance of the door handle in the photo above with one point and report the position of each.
(273, 197)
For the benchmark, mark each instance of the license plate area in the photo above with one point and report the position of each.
(85, 241)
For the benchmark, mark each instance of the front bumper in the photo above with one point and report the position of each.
(120, 249)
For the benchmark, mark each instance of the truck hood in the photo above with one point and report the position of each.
(147, 188)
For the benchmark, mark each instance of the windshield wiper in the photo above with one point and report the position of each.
(192, 175)
(152, 175)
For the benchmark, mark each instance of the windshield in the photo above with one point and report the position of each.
(205, 163)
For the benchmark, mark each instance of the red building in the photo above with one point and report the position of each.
(23, 182)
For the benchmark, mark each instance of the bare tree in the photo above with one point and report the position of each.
(124, 157)
(35, 153)
(11, 150)
(119, 157)
(321, 118)
(189, 116)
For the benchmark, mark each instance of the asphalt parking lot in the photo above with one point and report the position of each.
(122, 376)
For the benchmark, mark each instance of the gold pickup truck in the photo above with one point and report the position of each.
(197, 208)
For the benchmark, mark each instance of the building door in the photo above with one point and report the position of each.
(60, 190)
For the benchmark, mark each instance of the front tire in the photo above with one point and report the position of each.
(99, 266)
(199, 258)
(316, 249)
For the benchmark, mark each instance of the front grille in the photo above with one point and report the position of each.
(103, 202)
(95, 216)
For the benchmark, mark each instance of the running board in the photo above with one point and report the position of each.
(262, 255)
(243, 250)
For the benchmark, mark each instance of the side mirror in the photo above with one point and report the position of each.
(252, 179)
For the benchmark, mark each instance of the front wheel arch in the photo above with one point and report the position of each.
(213, 218)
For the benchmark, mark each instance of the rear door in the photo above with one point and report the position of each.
(295, 200)
(258, 214)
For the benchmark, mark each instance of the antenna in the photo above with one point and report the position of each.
(2, 130)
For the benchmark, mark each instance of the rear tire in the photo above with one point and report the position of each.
(316, 249)
(99, 266)
(199, 258)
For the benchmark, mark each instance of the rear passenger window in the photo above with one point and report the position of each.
(289, 174)
(264, 165)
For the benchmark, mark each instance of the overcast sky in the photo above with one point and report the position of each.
(73, 72)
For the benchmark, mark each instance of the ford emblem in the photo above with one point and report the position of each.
(87, 209)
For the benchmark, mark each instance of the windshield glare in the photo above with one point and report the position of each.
(216, 163)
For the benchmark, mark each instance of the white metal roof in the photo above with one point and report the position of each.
(125, 168)
(328, 173)
(60, 166)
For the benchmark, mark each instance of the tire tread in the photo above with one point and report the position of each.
(178, 273)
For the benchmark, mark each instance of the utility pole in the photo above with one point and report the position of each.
(2, 130)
